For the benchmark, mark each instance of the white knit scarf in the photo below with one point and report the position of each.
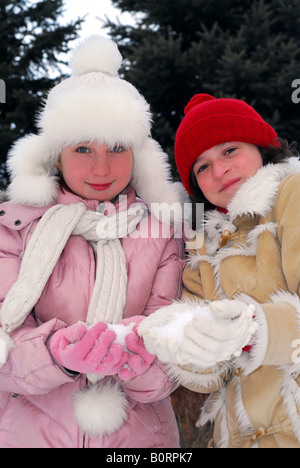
(101, 408)
(45, 247)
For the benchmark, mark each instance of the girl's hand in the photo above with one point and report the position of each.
(103, 349)
(199, 335)
(139, 358)
(88, 350)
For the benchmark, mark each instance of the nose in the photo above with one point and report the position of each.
(220, 167)
(101, 165)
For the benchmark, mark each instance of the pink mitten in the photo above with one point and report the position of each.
(139, 359)
(88, 351)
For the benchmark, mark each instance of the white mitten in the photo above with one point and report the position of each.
(162, 330)
(199, 335)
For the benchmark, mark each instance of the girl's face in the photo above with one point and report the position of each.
(221, 170)
(96, 172)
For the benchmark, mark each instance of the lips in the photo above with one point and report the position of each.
(229, 184)
(100, 187)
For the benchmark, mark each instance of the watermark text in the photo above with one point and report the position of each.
(296, 93)
(296, 353)
(167, 220)
(2, 92)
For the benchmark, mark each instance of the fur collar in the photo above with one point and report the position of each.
(257, 194)
(255, 197)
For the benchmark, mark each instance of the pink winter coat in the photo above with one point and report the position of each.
(35, 394)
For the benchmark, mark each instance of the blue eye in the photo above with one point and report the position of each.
(82, 149)
(117, 149)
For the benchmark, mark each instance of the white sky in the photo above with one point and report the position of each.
(95, 11)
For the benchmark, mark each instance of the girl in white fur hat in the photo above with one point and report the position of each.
(83, 260)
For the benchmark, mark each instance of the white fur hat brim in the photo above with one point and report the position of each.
(33, 173)
(152, 181)
(95, 107)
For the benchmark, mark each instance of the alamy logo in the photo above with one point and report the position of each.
(296, 93)
(175, 221)
(296, 353)
(2, 92)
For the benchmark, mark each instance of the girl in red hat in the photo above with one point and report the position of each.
(236, 332)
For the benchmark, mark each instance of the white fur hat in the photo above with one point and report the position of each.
(93, 104)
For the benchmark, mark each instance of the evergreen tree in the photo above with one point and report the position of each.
(30, 43)
(247, 49)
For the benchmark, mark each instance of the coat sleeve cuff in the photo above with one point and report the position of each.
(69, 372)
(279, 329)
(251, 360)
(204, 381)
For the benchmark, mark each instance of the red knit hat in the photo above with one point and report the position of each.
(209, 122)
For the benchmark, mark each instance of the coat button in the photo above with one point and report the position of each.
(261, 431)
(18, 222)
(224, 239)
(2, 213)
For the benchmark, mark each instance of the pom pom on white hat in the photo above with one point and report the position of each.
(97, 54)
